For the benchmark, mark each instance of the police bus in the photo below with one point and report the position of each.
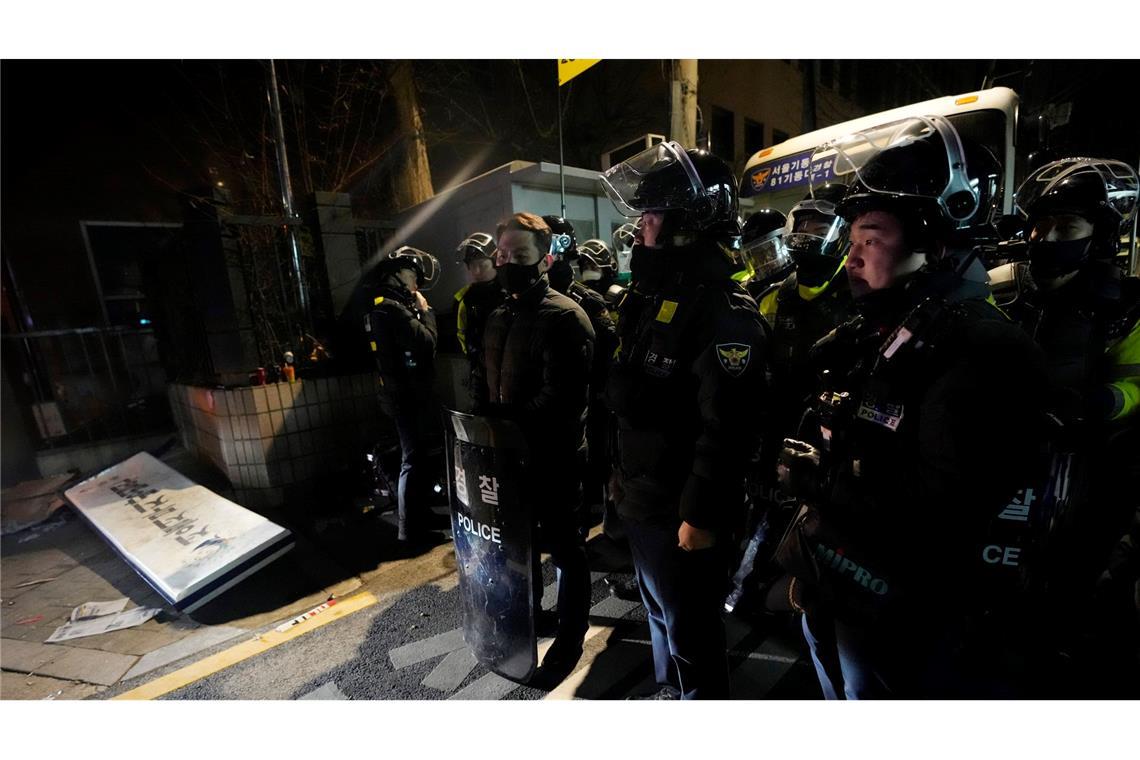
(779, 177)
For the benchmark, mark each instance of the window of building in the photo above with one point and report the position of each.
(778, 136)
(753, 136)
(722, 134)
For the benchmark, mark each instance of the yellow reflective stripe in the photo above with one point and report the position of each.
(668, 309)
(379, 300)
(1124, 374)
(810, 294)
(990, 300)
(373, 343)
(768, 305)
(461, 325)
(1125, 400)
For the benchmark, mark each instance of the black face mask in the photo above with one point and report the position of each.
(518, 278)
(1050, 260)
(561, 274)
(814, 270)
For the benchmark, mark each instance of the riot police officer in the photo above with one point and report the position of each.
(910, 455)
(801, 308)
(402, 335)
(538, 349)
(1075, 301)
(685, 387)
(474, 302)
(1074, 298)
(765, 251)
(564, 248)
(597, 266)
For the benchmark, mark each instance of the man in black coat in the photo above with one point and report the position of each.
(538, 347)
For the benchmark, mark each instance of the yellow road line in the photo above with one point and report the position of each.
(243, 651)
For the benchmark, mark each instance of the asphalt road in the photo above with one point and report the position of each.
(409, 646)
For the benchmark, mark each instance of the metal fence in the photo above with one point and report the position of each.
(88, 384)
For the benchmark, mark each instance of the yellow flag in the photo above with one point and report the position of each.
(568, 68)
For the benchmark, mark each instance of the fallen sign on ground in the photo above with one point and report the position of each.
(186, 541)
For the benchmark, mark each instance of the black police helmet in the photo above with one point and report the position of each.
(832, 192)
(1103, 191)
(477, 245)
(563, 242)
(598, 253)
(694, 190)
(762, 224)
(422, 263)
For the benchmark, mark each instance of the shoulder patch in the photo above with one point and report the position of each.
(734, 357)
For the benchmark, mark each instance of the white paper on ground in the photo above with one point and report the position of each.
(103, 624)
(97, 609)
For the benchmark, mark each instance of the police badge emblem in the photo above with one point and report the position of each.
(734, 357)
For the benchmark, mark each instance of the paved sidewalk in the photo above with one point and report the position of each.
(49, 569)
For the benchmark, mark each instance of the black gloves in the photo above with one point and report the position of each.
(799, 469)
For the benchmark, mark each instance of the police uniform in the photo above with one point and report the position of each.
(684, 386)
(918, 457)
(597, 415)
(473, 305)
(1089, 329)
(402, 339)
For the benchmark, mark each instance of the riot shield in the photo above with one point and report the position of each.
(492, 524)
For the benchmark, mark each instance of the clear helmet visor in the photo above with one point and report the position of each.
(767, 255)
(475, 245)
(1075, 182)
(429, 264)
(918, 157)
(657, 179)
(810, 224)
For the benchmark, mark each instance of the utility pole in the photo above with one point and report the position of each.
(287, 200)
(413, 182)
(683, 111)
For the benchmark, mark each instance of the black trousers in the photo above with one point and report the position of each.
(557, 522)
(684, 594)
(417, 426)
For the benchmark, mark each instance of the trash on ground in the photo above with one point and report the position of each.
(97, 609)
(31, 534)
(102, 624)
(30, 620)
(31, 502)
(36, 582)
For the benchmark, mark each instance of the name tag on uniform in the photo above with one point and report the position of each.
(666, 312)
(887, 415)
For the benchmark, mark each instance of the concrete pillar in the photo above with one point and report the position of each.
(216, 277)
(334, 231)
